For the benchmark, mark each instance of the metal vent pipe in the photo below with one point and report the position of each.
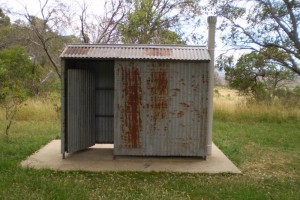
(212, 20)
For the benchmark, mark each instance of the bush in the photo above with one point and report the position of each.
(18, 80)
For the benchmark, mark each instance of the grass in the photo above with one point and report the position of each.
(262, 141)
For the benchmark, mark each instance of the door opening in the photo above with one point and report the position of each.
(104, 74)
(89, 104)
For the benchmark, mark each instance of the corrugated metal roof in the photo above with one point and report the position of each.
(149, 52)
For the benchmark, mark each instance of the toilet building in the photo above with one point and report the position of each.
(147, 100)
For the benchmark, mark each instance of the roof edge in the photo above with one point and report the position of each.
(140, 51)
(137, 45)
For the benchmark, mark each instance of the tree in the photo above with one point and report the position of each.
(254, 74)
(5, 30)
(260, 25)
(102, 28)
(17, 80)
(122, 17)
(44, 34)
(45, 30)
(155, 21)
(147, 23)
(115, 12)
(43, 44)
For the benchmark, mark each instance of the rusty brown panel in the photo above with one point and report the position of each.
(157, 85)
(69, 51)
(158, 52)
(77, 51)
(130, 118)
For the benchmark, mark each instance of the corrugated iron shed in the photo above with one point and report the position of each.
(149, 52)
(149, 100)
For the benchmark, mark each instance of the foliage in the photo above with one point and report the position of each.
(288, 97)
(5, 30)
(254, 74)
(44, 33)
(18, 80)
(4, 20)
(263, 25)
(128, 21)
(148, 22)
(40, 36)
(44, 42)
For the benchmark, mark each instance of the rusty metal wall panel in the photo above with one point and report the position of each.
(128, 105)
(156, 107)
(104, 102)
(152, 52)
(160, 108)
(188, 109)
(81, 110)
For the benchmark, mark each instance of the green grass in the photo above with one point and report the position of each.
(264, 145)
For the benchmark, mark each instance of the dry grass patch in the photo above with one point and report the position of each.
(268, 165)
(39, 110)
(229, 101)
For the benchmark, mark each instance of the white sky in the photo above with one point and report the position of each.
(33, 6)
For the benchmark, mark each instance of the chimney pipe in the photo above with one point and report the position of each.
(212, 20)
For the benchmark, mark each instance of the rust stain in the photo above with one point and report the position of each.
(77, 51)
(182, 81)
(205, 79)
(184, 145)
(184, 104)
(195, 84)
(175, 91)
(157, 85)
(180, 114)
(130, 117)
(158, 52)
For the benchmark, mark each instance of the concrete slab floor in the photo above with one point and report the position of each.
(100, 158)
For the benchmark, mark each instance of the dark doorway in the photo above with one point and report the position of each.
(104, 102)
(90, 104)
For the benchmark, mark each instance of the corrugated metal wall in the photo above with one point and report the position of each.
(81, 110)
(160, 108)
(63, 107)
(104, 102)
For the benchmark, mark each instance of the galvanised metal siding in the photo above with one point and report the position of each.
(63, 107)
(188, 109)
(104, 102)
(81, 110)
(128, 104)
(160, 108)
(104, 116)
(152, 52)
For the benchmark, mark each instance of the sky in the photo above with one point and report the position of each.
(33, 6)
